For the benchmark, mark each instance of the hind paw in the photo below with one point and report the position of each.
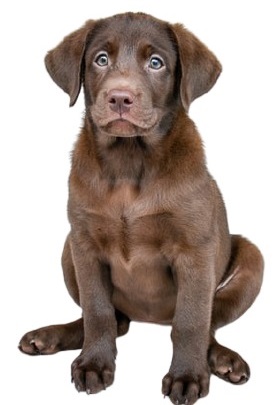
(228, 365)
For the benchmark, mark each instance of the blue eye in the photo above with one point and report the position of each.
(102, 59)
(156, 63)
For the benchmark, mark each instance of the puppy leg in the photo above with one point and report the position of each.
(235, 294)
(188, 377)
(70, 336)
(52, 339)
(123, 322)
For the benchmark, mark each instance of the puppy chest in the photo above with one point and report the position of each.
(123, 236)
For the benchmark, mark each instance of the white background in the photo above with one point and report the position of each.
(238, 121)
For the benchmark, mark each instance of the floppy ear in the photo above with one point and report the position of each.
(64, 63)
(199, 67)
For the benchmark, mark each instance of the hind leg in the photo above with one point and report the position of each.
(234, 295)
(70, 336)
(52, 339)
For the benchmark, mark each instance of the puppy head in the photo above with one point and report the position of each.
(196, 68)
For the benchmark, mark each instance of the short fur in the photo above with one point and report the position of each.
(149, 238)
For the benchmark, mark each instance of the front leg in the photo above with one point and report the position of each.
(188, 377)
(93, 370)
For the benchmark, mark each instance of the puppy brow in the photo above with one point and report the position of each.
(146, 50)
(110, 46)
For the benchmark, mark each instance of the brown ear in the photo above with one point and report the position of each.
(64, 63)
(199, 67)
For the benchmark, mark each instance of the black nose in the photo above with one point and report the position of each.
(120, 101)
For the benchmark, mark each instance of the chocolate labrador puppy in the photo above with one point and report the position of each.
(149, 238)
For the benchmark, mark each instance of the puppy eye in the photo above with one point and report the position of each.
(102, 59)
(155, 63)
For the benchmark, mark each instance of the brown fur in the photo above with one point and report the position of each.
(149, 238)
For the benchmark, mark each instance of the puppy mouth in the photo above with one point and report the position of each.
(121, 127)
(127, 127)
(125, 124)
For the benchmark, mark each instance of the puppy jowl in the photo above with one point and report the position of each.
(141, 197)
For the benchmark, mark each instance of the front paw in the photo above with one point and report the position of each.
(185, 388)
(93, 372)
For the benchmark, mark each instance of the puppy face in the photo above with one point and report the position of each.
(130, 75)
(136, 71)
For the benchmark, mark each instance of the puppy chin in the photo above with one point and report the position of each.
(121, 128)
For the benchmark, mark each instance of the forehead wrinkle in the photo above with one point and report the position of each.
(144, 47)
(131, 38)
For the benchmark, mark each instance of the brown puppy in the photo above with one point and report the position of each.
(149, 238)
